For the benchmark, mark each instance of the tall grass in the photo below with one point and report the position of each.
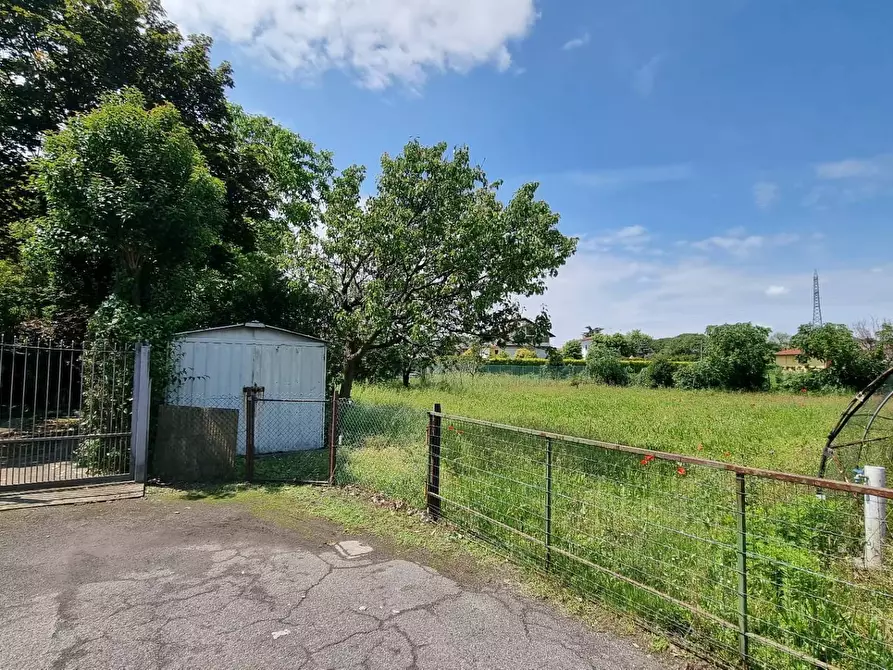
(671, 529)
(785, 432)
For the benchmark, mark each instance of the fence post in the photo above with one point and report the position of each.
(433, 494)
(743, 640)
(875, 512)
(139, 415)
(250, 398)
(548, 503)
(333, 438)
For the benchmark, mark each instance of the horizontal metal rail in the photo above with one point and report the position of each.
(316, 400)
(56, 438)
(807, 480)
(697, 611)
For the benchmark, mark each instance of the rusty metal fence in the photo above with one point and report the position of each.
(747, 567)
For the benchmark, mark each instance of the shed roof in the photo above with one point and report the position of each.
(789, 352)
(250, 324)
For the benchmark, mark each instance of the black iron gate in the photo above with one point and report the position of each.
(69, 414)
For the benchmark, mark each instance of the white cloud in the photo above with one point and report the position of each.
(632, 176)
(576, 43)
(644, 77)
(379, 41)
(776, 290)
(665, 297)
(856, 168)
(736, 242)
(765, 194)
(851, 180)
(630, 238)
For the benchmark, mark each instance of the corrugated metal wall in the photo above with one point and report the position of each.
(216, 365)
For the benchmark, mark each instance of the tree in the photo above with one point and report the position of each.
(590, 331)
(738, 356)
(572, 349)
(433, 252)
(132, 209)
(525, 354)
(684, 347)
(850, 365)
(639, 344)
(605, 367)
(59, 57)
(780, 340)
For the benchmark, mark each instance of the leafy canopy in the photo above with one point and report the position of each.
(132, 209)
(433, 254)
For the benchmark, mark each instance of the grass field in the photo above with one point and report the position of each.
(672, 530)
(785, 432)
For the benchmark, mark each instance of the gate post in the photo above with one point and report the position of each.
(250, 407)
(139, 415)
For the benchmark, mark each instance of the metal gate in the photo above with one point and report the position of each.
(72, 415)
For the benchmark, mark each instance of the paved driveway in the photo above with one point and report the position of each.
(156, 584)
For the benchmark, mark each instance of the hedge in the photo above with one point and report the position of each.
(570, 368)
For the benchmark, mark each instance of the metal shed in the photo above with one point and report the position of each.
(215, 365)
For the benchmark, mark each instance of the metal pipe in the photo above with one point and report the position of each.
(741, 500)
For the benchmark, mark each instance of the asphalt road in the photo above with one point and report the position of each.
(156, 584)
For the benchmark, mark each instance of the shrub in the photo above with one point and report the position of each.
(555, 359)
(573, 349)
(604, 367)
(814, 381)
(641, 378)
(661, 371)
(737, 357)
(523, 353)
(695, 376)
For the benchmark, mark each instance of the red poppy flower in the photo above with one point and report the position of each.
(680, 471)
(647, 459)
(803, 390)
(451, 428)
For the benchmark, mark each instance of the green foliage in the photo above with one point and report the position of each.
(498, 356)
(131, 208)
(433, 253)
(737, 357)
(524, 352)
(638, 344)
(688, 346)
(811, 381)
(555, 358)
(572, 349)
(59, 57)
(605, 368)
(693, 377)
(850, 366)
(661, 371)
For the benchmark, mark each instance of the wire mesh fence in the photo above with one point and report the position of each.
(775, 570)
(65, 411)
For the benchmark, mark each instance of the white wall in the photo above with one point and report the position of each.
(216, 365)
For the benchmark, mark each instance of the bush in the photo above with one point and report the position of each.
(737, 357)
(641, 378)
(524, 353)
(573, 349)
(814, 381)
(695, 376)
(605, 368)
(661, 371)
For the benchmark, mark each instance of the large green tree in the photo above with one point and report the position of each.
(737, 356)
(58, 57)
(132, 210)
(849, 365)
(434, 252)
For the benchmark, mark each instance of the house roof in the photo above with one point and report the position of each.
(249, 324)
(789, 352)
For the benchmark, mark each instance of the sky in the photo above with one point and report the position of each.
(709, 154)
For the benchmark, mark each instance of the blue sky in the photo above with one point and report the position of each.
(709, 154)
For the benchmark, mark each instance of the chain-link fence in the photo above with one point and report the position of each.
(764, 569)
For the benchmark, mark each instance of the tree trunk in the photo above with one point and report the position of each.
(406, 377)
(350, 371)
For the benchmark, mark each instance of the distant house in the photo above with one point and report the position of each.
(585, 343)
(510, 348)
(787, 359)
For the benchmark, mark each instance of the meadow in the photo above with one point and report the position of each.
(767, 430)
(645, 535)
